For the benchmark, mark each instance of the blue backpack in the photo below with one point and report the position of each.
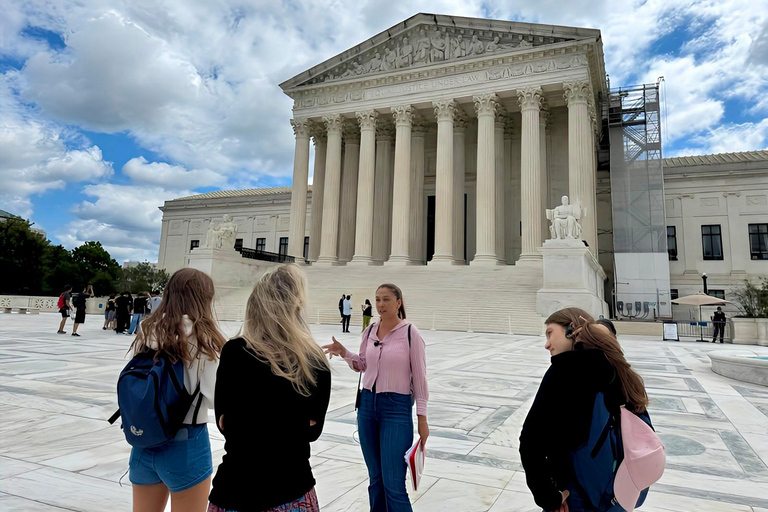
(152, 399)
(596, 462)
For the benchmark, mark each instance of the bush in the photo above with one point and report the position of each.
(752, 299)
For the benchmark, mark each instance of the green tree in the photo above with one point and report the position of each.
(94, 262)
(58, 270)
(21, 258)
(143, 278)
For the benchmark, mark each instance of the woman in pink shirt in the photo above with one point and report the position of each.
(392, 357)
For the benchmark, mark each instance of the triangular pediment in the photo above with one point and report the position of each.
(428, 39)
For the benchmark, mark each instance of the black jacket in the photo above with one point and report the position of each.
(266, 431)
(560, 419)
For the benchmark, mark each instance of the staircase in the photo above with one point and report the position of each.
(464, 298)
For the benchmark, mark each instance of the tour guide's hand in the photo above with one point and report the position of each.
(564, 506)
(423, 430)
(221, 422)
(335, 349)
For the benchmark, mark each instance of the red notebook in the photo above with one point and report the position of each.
(414, 457)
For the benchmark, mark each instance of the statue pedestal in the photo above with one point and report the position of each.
(233, 276)
(572, 278)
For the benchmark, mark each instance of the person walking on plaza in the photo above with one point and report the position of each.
(272, 394)
(184, 329)
(341, 307)
(109, 313)
(154, 301)
(393, 358)
(367, 313)
(64, 307)
(586, 360)
(80, 302)
(718, 321)
(346, 313)
(124, 305)
(140, 308)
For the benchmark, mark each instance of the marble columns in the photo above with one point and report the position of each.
(383, 192)
(401, 188)
(365, 187)
(543, 126)
(531, 209)
(510, 227)
(459, 178)
(416, 242)
(318, 189)
(581, 169)
(330, 235)
(444, 196)
(486, 106)
(499, 157)
(348, 213)
(298, 218)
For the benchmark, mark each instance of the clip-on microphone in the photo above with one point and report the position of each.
(376, 343)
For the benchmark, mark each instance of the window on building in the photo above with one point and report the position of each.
(672, 242)
(712, 242)
(673, 293)
(758, 241)
(194, 244)
(306, 247)
(238, 244)
(261, 244)
(283, 245)
(720, 294)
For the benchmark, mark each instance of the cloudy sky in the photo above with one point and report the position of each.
(109, 107)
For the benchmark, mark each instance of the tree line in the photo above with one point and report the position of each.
(32, 265)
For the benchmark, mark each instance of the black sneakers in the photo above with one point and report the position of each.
(75, 334)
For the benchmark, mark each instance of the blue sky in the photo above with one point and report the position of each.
(108, 108)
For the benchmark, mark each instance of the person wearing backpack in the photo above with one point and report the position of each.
(183, 330)
(393, 359)
(64, 307)
(588, 374)
(80, 303)
(272, 393)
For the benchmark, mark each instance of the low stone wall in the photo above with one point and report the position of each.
(741, 365)
(93, 306)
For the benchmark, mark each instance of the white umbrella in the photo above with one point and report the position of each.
(700, 299)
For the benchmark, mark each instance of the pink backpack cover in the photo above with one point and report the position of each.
(644, 460)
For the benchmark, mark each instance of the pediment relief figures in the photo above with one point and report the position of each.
(422, 46)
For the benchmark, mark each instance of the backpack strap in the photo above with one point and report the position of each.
(367, 335)
(112, 419)
(199, 402)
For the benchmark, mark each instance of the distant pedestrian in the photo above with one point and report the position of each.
(80, 302)
(346, 313)
(64, 307)
(367, 313)
(154, 301)
(140, 308)
(718, 320)
(109, 313)
(124, 304)
(341, 307)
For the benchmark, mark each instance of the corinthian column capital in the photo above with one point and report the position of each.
(530, 98)
(385, 130)
(318, 134)
(509, 127)
(445, 109)
(578, 91)
(419, 126)
(460, 121)
(301, 126)
(351, 132)
(367, 119)
(403, 115)
(544, 114)
(333, 123)
(486, 104)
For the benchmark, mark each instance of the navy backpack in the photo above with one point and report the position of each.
(152, 399)
(596, 462)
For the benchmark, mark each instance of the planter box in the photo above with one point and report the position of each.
(744, 331)
(762, 331)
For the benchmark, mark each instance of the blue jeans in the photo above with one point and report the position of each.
(135, 321)
(386, 432)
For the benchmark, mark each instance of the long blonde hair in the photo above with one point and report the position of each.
(189, 292)
(586, 332)
(275, 329)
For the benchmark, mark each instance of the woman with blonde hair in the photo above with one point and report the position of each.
(272, 393)
(586, 360)
(185, 329)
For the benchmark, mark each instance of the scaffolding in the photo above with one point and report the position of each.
(637, 196)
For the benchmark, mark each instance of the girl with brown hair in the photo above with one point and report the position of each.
(185, 329)
(586, 360)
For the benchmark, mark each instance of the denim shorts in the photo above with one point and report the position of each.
(180, 464)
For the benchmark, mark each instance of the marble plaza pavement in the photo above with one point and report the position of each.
(57, 451)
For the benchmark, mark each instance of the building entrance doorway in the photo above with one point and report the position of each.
(431, 227)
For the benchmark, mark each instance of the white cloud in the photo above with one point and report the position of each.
(171, 177)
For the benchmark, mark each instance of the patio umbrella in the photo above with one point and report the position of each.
(700, 299)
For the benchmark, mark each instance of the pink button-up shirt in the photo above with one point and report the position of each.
(392, 366)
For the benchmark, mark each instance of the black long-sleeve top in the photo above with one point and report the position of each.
(266, 430)
(560, 419)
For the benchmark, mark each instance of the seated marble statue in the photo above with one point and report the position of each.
(565, 221)
(221, 235)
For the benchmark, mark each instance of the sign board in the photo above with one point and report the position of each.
(670, 331)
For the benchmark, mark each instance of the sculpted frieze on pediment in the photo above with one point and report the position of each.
(423, 46)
